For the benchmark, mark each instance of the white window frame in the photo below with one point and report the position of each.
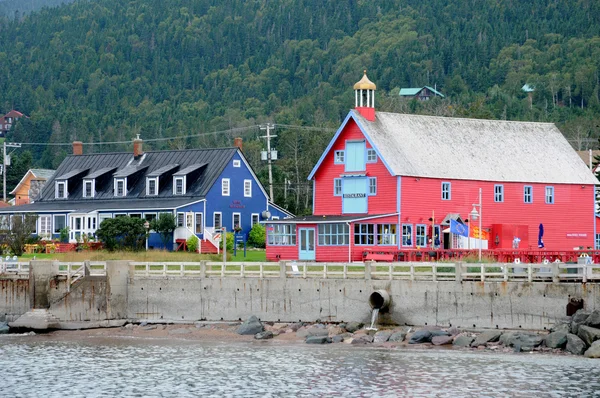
(155, 179)
(339, 156)
(528, 196)
(498, 193)
(446, 190)
(104, 216)
(201, 231)
(177, 221)
(371, 155)
(233, 220)
(252, 222)
(92, 188)
(225, 187)
(56, 189)
(237, 163)
(247, 188)
(275, 218)
(189, 220)
(55, 216)
(549, 195)
(372, 184)
(115, 215)
(116, 187)
(336, 191)
(177, 179)
(220, 219)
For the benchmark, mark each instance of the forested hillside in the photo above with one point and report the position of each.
(19, 8)
(106, 70)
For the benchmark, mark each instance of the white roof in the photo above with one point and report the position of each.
(474, 149)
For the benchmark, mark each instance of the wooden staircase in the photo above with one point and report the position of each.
(181, 245)
(206, 247)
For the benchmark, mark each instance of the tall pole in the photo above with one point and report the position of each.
(4, 171)
(268, 127)
(480, 232)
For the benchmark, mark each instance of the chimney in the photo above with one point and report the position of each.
(137, 147)
(77, 148)
(238, 143)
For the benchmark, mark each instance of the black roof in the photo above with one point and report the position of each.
(146, 165)
(86, 206)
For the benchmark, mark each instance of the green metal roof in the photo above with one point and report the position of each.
(409, 92)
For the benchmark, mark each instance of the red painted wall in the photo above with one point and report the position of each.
(572, 211)
(327, 204)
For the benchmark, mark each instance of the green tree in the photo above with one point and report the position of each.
(21, 229)
(122, 232)
(257, 235)
(164, 225)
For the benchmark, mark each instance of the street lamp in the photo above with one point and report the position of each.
(477, 215)
(147, 227)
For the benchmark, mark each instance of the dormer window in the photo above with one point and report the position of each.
(152, 186)
(120, 187)
(60, 190)
(88, 188)
(179, 185)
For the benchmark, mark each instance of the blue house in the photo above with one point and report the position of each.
(205, 189)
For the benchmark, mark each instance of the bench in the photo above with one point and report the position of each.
(378, 257)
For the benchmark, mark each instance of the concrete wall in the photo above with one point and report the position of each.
(14, 297)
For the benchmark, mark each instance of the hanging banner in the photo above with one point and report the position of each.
(485, 235)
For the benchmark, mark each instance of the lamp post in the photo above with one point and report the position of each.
(147, 226)
(474, 216)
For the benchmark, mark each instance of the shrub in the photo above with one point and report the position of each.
(21, 229)
(229, 242)
(257, 236)
(64, 235)
(122, 232)
(192, 243)
(164, 225)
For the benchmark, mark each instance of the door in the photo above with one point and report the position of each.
(356, 156)
(307, 243)
(354, 195)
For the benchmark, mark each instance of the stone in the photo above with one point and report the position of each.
(312, 331)
(353, 326)
(561, 327)
(359, 340)
(267, 334)
(295, 326)
(578, 319)
(335, 330)
(151, 327)
(338, 338)
(319, 326)
(4, 328)
(593, 351)
(556, 340)
(594, 319)
(575, 345)
(318, 340)
(382, 336)
(506, 338)
(439, 333)
(442, 340)
(463, 340)
(251, 326)
(397, 337)
(420, 336)
(453, 331)
(588, 334)
(129, 326)
(144, 323)
(486, 337)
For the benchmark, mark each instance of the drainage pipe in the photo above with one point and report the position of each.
(379, 299)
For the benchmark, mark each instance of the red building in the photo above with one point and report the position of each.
(8, 120)
(393, 181)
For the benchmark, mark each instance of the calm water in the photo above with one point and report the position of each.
(37, 366)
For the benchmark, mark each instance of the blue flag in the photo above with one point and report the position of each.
(459, 229)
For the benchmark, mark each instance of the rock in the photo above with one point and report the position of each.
(524, 341)
(318, 340)
(348, 340)
(335, 330)
(151, 327)
(506, 338)
(312, 331)
(561, 327)
(486, 337)
(180, 331)
(264, 335)
(575, 345)
(295, 326)
(578, 319)
(439, 333)
(338, 338)
(453, 331)
(129, 326)
(594, 319)
(353, 326)
(588, 334)
(441, 340)
(463, 341)
(4, 328)
(251, 326)
(420, 336)
(319, 326)
(144, 323)
(359, 340)
(556, 340)
(593, 351)
(397, 336)
(382, 336)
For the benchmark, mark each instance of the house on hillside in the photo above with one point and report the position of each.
(205, 189)
(424, 93)
(390, 181)
(8, 120)
(30, 186)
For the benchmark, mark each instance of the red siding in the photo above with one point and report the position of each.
(571, 213)
(327, 204)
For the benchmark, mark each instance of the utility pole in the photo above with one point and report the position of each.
(6, 162)
(269, 155)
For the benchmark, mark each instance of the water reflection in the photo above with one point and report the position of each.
(40, 366)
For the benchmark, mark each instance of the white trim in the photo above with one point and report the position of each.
(92, 191)
(252, 219)
(195, 223)
(233, 220)
(225, 187)
(248, 194)
(54, 222)
(220, 219)
(243, 158)
(65, 184)
(156, 188)
(183, 181)
(115, 187)
(177, 219)
(237, 163)
(22, 180)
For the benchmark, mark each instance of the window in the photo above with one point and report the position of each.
(135, 215)
(386, 234)
(180, 219)
(333, 234)
(45, 229)
(337, 187)
(406, 235)
(339, 157)
(149, 217)
(247, 188)
(550, 195)
(528, 194)
(61, 190)
(88, 188)
(152, 186)
(120, 189)
(225, 187)
(217, 220)
(236, 221)
(364, 234)
(371, 156)
(103, 217)
(421, 235)
(60, 221)
(275, 218)
(189, 220)
(446, 191)
(597, 241)
(254, 219)
(117, 215)
(372, 186)
(281, 234)
(237, 163)
(498, 193)
(198, 224)
(4, 225)
(179, 186)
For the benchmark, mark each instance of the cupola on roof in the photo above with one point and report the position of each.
(365, 83)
